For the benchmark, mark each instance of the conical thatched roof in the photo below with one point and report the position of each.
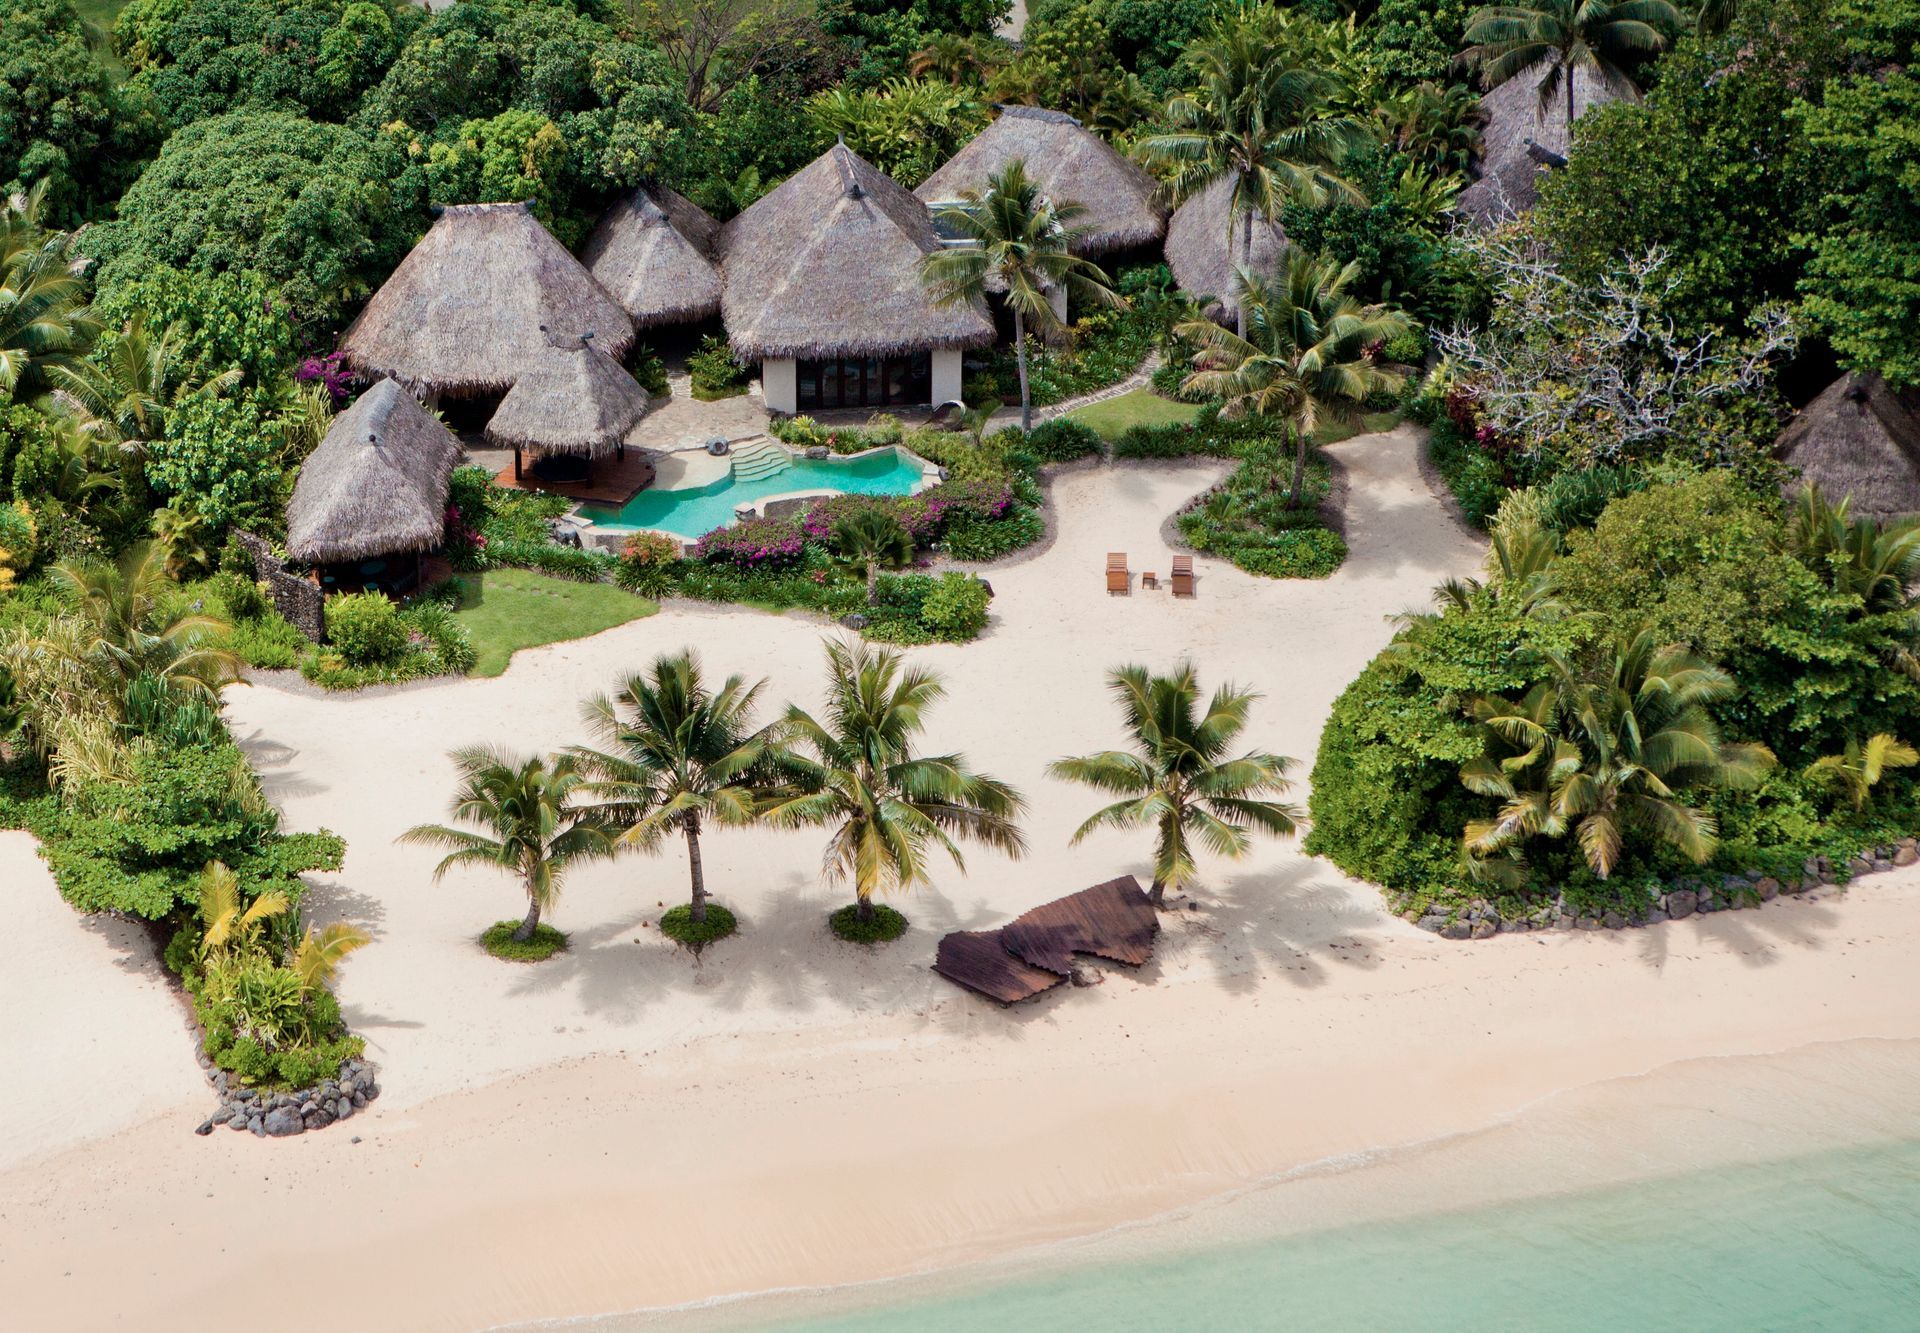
(654, 252)
(1070, 163)
(571, 399)
(1859, 438)
(1518, 141)
(377, 485)
(829, 264)
(463, 312)
(1197, 247)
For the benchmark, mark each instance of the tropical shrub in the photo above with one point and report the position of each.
(955, 607)
(365, 627)
(713, 370)
(754, 543)
(1062, 440)
(646, 564)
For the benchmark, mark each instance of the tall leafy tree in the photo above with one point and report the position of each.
(1603, 37)
(676, 756)
(1308, 353)
(856, 770)
(1179, 777)
(525, 819)
(1021, 247)
(1260, 117)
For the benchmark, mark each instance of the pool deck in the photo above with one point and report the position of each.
(614, 481)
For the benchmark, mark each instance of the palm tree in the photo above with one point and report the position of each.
(1857, 770)
(1177, 777)
(1604, 752)
(320, 952)
(531, 826)
(677, 755)
(1259, 121)
(873, 537)
(1306, 353)
(230, 926)
(1603, 37)
(44, 323)
(1860, 558)
(131, 625)
(951, 57)
(889, 808)
(123, 396)
(1021, 245)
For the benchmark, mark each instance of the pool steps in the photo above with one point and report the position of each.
(755, 459)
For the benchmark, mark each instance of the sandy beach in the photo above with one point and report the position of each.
(629, 1126)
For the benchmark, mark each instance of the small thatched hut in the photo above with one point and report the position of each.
(1859, 438)
(572, 404)
(375, 491)
(1206, 243)
(1520, 139)
(823, 287)
(1072, 164)
(654, 252)
(464, 313)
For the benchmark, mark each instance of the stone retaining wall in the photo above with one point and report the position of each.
(296, 598)
(1683, 898)
(283, 1114)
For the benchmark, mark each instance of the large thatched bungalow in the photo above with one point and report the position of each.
(823, 286)
(1070, 162)
(1206, 243)
(572, 406)
(654, 252)
(1859, 438)
(464, 313)
(1520, 139)
(373, 497)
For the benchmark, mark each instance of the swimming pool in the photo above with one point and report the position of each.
(694, 511)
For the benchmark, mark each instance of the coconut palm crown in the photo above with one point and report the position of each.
(1603, 37)
(1177, 776)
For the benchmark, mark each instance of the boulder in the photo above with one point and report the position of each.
(1905, 854)
(1587, 923)
(1655, 916)
(342, 1108)
(205, 1127)
(1614, 921)
(1456, 930)
(1682, 903)
(1768, 888)
(1485, 928)
(281, 1123)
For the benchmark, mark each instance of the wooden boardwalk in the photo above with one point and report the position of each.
(614, 481)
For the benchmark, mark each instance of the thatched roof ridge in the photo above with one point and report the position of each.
(1513, 124)
(1071, 163)
(463, 312)
(1859, 438)
(1198, 253)
(829, 264)
(571, 399)
(377, 485)
(654, 252)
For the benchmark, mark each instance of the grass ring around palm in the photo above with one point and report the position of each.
(884, 925)
(678, 924)
(498, 940)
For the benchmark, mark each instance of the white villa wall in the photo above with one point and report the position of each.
(780, 384)
(946, 375)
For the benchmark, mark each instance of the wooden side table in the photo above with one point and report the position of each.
(1149, 579)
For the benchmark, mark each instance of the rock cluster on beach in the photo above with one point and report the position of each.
(283, 1114)
(1683, 898)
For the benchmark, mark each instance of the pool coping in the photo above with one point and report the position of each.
(597, 535)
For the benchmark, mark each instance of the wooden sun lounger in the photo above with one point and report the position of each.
(1119, 579)
(1183, 576)
(1116, 559)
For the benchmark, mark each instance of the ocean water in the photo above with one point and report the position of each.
(695, 511)
(1777, 1191)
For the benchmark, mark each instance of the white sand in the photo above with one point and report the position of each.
(790, 1110)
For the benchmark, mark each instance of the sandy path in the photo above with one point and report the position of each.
(790, 1110)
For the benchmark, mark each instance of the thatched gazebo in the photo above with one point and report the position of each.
(1520, 139)
(464, 313)
(572, 406)
(373, 497)
(1859, 438)
(654, 252)
(1206, 243)
(823, 287)
(1071, 163)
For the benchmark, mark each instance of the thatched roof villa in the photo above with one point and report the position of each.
(1520, 140)
(463, 314)
(823, 286)
(572, 406)
(1070, 162)
(654, 252)
(1204, 243)
(373, 492)
(1859, 438)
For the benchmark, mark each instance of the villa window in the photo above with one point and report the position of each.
(852, 381)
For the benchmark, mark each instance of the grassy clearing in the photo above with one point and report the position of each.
(1139, 407)
(1333, 431)
(506, 610)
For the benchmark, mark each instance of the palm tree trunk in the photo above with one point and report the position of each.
(863, 910)
(1157, 895)
(1299, 466)
(1020, 356)
(1246, 260)
(873, 582)
(1570, 69)
(525, 931)
(697, 913)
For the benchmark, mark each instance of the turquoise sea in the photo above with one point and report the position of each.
(695, 511)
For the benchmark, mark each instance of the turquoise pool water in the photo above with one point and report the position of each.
(696, 511)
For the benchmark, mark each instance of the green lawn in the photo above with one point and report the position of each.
(1137, 408)
(1333, 431)
(506, 610)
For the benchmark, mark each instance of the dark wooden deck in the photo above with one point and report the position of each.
(614, 481)
(1034, 952)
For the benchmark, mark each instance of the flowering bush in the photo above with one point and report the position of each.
(754, 543)
(330, 372)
